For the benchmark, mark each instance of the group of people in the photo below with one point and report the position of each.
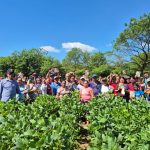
(28, 89)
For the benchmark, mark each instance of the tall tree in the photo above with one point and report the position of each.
(28, 61)
(74, 60)
(98, 59)
(5, 64)
(135, 41)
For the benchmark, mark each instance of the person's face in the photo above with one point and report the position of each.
(38, 81)
(145, 75)
(67, 77)
(128, 80)
(19, 81)
(63, 84)
(132, 80)
(10, 76)
(94, 78)
(86, 84)
(104, 83)
(82, 81)
(72, 79)
(121, 80)
(100, 78)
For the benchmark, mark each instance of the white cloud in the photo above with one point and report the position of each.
(49, 49)
(82, 46)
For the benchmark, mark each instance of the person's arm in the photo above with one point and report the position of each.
(80, 94)
(1, 89)
(48, 74)
(141, 93)
(34, 89)
(58, 94)
(92, 94)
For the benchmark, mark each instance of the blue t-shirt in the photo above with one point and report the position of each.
(96, 87)
(138, 93)
(55, 87)
(8, 89)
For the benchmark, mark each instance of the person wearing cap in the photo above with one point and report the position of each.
(9, 87)
(95, 85)
(55, 85)
(80, 84)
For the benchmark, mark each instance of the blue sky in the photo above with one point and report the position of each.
(58, 25)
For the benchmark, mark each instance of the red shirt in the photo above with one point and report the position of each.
(130, 87)
(114, 85)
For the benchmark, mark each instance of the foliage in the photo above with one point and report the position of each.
(116, 124)
(103, 70)
(29, 61)
(98, 59)
(135, 41)
(5, 64)
(45, 124)
(73, 60)
(51, 124)
(78, 61)
(48, 63)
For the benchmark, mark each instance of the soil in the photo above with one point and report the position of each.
(84, 140)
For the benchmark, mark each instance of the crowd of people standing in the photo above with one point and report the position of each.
(27, 89)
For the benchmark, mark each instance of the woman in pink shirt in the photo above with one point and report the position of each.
(86, 93)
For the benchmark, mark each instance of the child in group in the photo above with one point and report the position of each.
(137, 92)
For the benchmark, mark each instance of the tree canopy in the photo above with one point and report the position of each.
(134, 41)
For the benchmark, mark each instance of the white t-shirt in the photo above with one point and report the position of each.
(44, 88)
(79, 87)
(104, 89)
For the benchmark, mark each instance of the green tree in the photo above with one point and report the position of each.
(5, 64)
(103, 70)
(86, 60)
(28, 61)
(48, 63)
(98, 64)
(74, 60)
(134, 41)
(97, 59)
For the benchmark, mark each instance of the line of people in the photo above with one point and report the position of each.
(28, 89)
